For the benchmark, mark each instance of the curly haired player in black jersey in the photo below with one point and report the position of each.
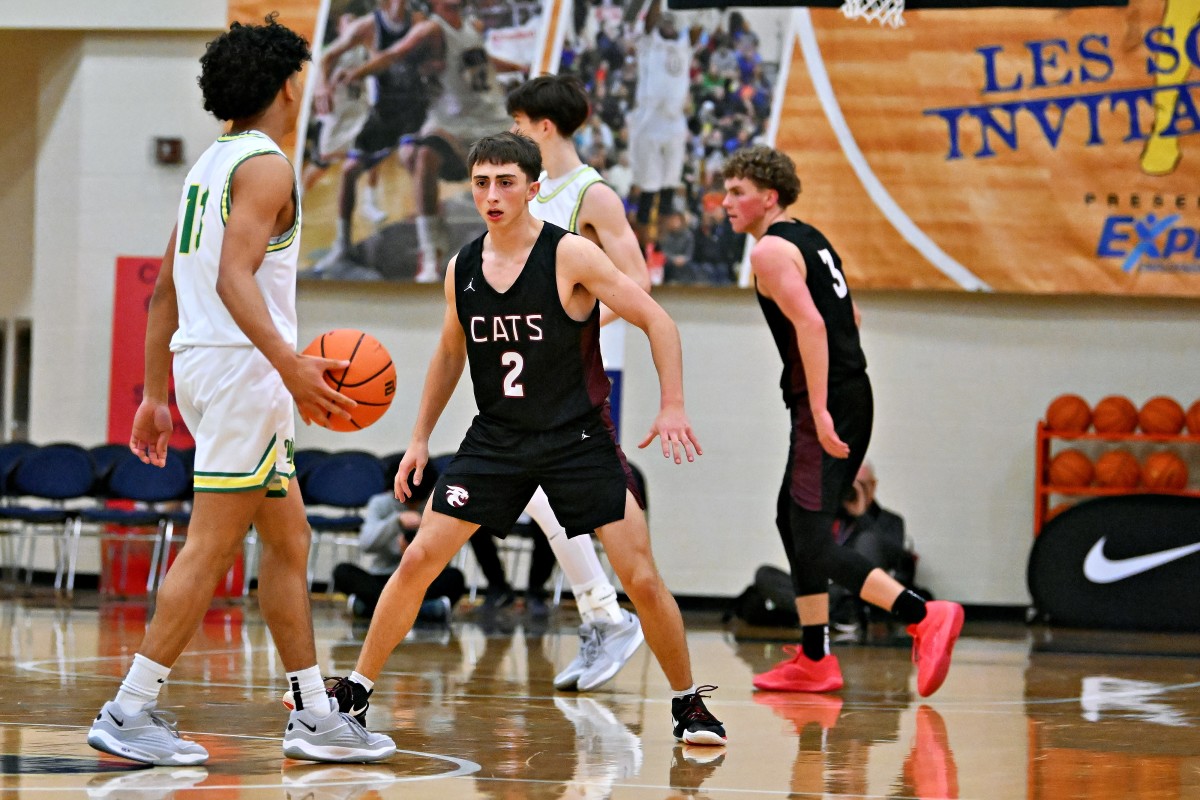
(803, 293)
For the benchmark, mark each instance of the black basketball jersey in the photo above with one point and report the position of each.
(533, 366)
(399, 87)
(827, 285)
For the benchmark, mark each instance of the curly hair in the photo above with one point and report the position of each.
(243, 69)
(767, 168)
(507, 148)
(558, 98)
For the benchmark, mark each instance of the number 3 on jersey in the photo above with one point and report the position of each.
(515, 363)
(193, 217)
(839, 280)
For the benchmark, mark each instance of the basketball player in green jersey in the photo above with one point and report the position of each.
(225, 305)
(573, 195)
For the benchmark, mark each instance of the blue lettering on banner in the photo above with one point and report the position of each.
(1150, 243)
(1076, 116)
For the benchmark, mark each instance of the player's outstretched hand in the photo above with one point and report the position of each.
(415, 458)
(827, 436)
(674, 432)
(315, 398)
(151, 432)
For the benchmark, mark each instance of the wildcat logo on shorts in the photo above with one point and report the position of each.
(457, 496)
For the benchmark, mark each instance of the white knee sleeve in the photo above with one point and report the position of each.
(576, 555)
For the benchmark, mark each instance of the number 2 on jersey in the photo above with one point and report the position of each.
(839, 280)
(193, 217)
(515, 364)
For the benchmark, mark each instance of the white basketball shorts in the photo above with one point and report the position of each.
(241, 416)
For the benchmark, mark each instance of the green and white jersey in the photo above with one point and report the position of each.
(558, 199)
(204, 208)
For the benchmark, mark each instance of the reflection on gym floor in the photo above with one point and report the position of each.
(1025, 713)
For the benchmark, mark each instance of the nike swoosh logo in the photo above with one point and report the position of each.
(113, 717)
(1099, 568)
(312, 728)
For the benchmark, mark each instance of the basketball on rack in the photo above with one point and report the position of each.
(1161, 415)
(1165, 470)
(1068, 413)
(1118, 469)
(370, 380)
(1193, 418)
(1115, 414)
(1071, 468)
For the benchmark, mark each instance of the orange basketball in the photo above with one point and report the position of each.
(1118, 469)
(370, 380)
(1071, 468)
(1165, 470)
(1193, 419)
(1068, 413)
(1161, 415)
(1115, 414)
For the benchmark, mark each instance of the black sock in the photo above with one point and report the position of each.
(814, 641)
(910, 607)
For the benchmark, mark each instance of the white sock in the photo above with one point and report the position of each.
(685, 692)
(361, 679)
(142, 685)
(368, 195)
(308, 688)
(426, 244)
(341, 234)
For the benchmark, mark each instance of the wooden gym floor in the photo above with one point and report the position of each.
(1025, 713)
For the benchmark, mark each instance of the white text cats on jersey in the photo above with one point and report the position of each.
(507, 328)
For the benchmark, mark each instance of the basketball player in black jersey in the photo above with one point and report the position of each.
(803, 294)
(523, 310)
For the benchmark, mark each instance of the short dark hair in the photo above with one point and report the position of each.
(768, 168)
(507, 148)
(243, 69)
(558, 98)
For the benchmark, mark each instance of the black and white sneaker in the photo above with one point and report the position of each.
(694, 724)
(352, 698)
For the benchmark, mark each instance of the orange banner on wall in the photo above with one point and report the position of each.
(1015, 150)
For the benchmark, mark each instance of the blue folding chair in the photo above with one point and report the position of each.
(10, 453)
(47, 487)
(344, 481)
(155, 493)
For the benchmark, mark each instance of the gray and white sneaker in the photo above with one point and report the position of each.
(618, 642)
(149, 736)
(589, 646)
(335, 737)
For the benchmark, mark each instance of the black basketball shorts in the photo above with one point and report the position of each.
(814, 479)
(496, 470)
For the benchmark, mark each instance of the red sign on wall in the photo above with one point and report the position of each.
(135, 279)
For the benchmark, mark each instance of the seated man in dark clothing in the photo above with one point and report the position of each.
(876, 533)
(388, 527)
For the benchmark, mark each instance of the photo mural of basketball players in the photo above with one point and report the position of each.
(672, 94)
(364, 52)
(450, 66)
(1161, 153)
